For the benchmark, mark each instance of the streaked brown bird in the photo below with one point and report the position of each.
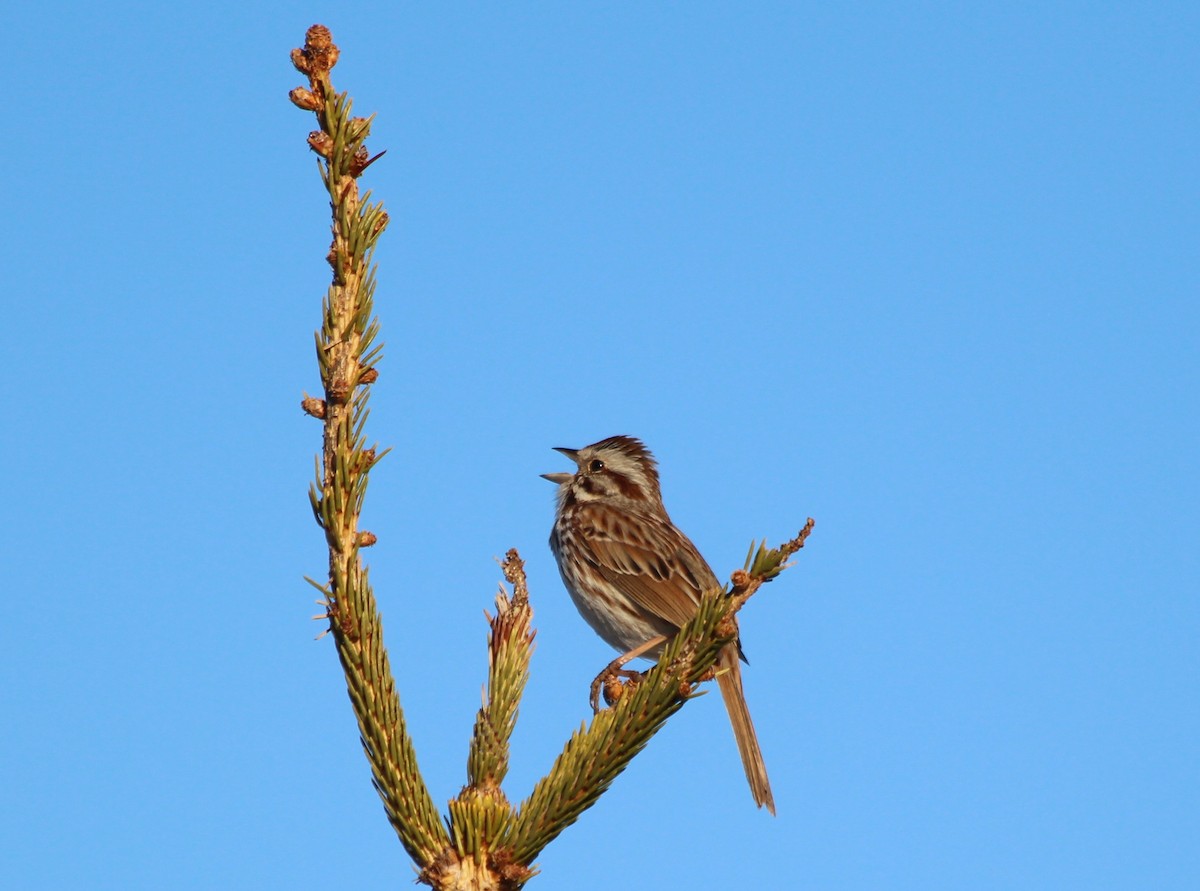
(634, 576)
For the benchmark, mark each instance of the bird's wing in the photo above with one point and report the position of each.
(650, 561)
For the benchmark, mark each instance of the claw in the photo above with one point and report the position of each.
(610, 679)
(613, 682)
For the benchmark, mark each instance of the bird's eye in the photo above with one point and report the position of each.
(596, 466)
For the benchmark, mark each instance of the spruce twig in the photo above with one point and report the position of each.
(510, 646)
(346, 355)
(481, 816)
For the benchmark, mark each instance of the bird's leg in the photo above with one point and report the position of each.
(609, 680)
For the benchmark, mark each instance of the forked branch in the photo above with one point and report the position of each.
(485, 843)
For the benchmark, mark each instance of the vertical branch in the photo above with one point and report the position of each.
(481, 816)
(510, 645)
(346, 354)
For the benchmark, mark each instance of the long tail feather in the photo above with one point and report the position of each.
(730, 681)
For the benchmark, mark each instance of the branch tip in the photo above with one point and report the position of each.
(798, 542)
(514, 573)
(319, 54)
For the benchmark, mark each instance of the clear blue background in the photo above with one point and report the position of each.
(927, 273)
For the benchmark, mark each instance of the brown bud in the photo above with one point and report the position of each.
(613, 690)
(320, 51)
(368, 376)
(321, 143)
(366, 539)
(338, 392)
(318, 37)
(313, 406)
(514, 874)
(360, 161)
(305, 99)
(300, 60)
(728, 626)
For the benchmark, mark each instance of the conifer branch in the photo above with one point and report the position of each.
(510, 646)
(481, 816)
(346, 355)
(485, 843)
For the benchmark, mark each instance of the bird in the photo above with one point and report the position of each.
(635, 577)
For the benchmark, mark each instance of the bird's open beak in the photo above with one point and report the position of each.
(560, 478)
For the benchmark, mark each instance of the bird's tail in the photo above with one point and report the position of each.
(729, 678)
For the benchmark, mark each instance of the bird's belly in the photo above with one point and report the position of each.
(620, 626)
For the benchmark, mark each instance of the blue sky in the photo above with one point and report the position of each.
(927, 274)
